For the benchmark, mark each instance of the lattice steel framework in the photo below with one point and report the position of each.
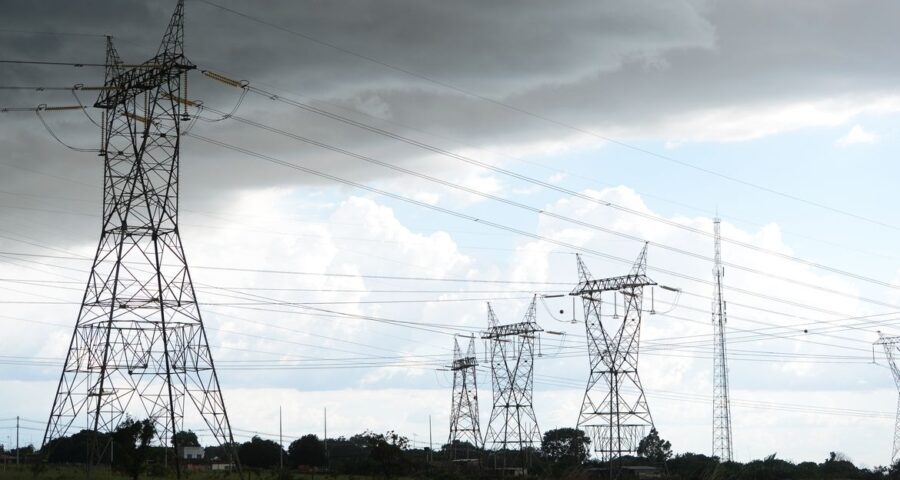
(614, 412)
(139, 347)
(891, 345)
(513, 424)
(722, 447)
(465, 427)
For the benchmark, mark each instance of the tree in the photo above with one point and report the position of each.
(222, 453)
(696, 465)
(387, 450)
(770, 468)
(894, 471)
(186, 439)
(131, 442)
(71, 449)
(838, 465)
(259, 453)
(654, 448)
(460, 450)
(567, 446)
(307, 450)
(807, 470)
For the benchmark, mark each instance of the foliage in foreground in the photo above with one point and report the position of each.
(564, 454)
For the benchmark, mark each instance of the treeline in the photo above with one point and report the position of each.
(563, 453)
(835, 466)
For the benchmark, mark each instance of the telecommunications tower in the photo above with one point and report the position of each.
(513, 424)
(891, 345)
(465, 428)
(721, 403)
(614, 413)
(139, 348)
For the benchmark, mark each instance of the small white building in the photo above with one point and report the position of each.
(191, 453)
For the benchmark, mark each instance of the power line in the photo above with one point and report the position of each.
(552, 241)
(503, 171)
(75, 64)
(492, 224)
(555, 169)
(764, 310)
(610, 231)
(323, 274)
(276, 302)
(551, 120)
(522, 177)
(61, 64)
(581, 223)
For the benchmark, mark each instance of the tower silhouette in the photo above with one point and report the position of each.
(614, 412)
(139, 348)
(891, 345)
(513, 424)
(465, 428)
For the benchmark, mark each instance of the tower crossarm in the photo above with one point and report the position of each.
(464, 363)
(523, 328)
(144, 77)
(624, 282)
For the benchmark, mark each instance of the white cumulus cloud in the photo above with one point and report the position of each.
(856, 135)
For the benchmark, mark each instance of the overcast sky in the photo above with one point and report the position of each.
(779, 116)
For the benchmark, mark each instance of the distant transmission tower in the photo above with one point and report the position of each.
(464, 421)
(614, 412)
(722, 447)
(139, 348)
(891, 344)
(513, 424)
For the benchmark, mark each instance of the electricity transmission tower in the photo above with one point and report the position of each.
(513, 424)
(614, 412)
(891, 344)
(139, 347)
(464, 421)
(721, 403)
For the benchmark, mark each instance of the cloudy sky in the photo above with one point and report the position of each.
(645, 119)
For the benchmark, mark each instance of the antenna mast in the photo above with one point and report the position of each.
(722, 447)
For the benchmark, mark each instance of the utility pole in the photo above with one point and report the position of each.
(430, 444)
(112, 447)
(614, 412)
(325, 441)
(280, 442)
(513, 424)
(722, 447)
(17, 439)
(139, 341)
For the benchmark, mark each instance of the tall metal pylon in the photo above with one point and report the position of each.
(614, 413)
(513, 424)
(139, 347)
(891, 345)
(465, 427)
(722, 446)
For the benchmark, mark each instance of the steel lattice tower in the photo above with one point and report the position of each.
(891, 344)
(513, 424)
(614, 412)
(139, 347)
(722, 447)
(464, 420)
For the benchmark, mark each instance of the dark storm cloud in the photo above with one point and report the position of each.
(612, 66)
